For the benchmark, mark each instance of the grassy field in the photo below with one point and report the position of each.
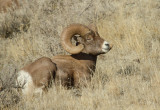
(126, 78)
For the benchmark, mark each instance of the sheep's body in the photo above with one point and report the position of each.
(73, 70)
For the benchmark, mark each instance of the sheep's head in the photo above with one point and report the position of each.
(89, 41)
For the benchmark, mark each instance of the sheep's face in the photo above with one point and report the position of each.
(94, 44)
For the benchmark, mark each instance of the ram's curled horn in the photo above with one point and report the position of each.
(67, 35)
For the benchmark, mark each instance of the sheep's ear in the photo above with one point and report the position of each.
(93, 27)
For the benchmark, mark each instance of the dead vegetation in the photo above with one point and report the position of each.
(127, 77)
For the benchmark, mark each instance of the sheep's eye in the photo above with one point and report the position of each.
(89, 38)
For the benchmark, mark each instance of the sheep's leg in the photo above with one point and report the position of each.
(61, 78)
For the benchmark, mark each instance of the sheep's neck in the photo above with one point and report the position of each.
(88, 59)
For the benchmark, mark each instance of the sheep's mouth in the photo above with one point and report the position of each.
(106, 49)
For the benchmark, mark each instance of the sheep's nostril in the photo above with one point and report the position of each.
(107, 45)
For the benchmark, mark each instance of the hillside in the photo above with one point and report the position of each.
(127, 77)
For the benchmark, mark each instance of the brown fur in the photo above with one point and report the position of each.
(41, 71)
(74, 70)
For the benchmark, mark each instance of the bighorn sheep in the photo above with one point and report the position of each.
(69, 70)
(4, 4)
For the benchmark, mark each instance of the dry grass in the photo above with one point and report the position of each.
(126, 78)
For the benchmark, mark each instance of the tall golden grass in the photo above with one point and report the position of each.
(126, 78)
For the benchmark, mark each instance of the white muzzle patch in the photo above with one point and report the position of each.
(105, 47)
